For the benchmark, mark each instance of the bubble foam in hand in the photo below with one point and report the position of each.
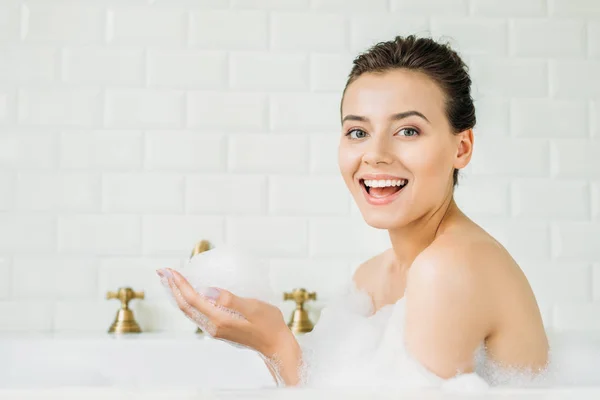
(229, 269)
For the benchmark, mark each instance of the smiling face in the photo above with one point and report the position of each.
(397, 150)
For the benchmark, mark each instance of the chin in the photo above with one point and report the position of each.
(382, 220)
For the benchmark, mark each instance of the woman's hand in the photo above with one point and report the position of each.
(223, 315)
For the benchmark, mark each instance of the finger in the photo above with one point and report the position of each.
(220, 297)
(226, 299)
(193, 314)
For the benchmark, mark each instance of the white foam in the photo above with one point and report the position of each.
(353, 347)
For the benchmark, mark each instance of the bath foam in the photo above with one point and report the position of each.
(353, 347)
(224, 268)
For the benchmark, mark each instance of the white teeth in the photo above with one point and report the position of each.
(385, 183)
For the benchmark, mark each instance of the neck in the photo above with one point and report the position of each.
(410, 240)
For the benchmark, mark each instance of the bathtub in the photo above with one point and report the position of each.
(190, 366)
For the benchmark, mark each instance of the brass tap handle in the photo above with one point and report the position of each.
(300, 296)
(201, 247)
(125, 295)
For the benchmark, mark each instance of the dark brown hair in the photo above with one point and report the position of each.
(436, 60)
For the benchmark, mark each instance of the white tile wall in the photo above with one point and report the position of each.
(130, 130)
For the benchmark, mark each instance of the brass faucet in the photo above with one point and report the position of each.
(300, 323)
(124, 321)
(200, 247)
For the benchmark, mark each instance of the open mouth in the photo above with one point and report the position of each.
(380, 189)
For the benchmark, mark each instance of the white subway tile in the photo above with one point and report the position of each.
(523, 239)
(105, 150)
(5, 278)
(269, 236)
(185, 150)
(349, 5)
(6, 107)
(595, 118)
(227, 110)
(508, 8)
(302, 111)
(103, 66)
(27, 233)
(509, 77)
(99, 234)
(142, 193)
(54, 277)
(492, 117)
(28, 65)
(221, 29)
(559, 282)
(268, 153)
(547, 38)
(575, 158)
(595, 200)
(28, 151)
(430, 7)
(144, 107)
(329, 72)
(148, 26)
(26, 316)
(187, 68)
(574, 78)
(593, 37)
(483, 197)
(596, 281)
(138, 273)
(577, 241)
(308, 195)
(176, 235)
(289, 31)
(367, 30)
(345, 237)
(75, 107)
(58, 192)
(324, 153)
(270, 4)
(86, 316)
(7, 190)
(268, 71)
(574, 8)
(10, 21)
(328, 278)
(472, 36)
(64, 23)
(550, 199)
(545, 118)
(528, 157)
(226, 194)
(576, 316)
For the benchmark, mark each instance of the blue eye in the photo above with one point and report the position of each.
(409, 132)
(356, 134)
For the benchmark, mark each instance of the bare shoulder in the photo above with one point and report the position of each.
(465, 259)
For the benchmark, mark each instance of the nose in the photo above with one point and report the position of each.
(377, 151)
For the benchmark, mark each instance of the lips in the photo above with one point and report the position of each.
(382, 191)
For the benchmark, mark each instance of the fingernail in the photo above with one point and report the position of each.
(165, 273)
(159, 272)
(212, 293)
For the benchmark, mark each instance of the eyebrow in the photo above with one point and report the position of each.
(394, 117)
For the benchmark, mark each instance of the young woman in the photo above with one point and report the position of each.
(407, 119)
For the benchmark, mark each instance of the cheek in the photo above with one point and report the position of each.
(427, 160)
(348, 161)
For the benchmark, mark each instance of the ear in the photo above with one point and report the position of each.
(464, 148)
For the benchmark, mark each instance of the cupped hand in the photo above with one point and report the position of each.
(223, 315)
